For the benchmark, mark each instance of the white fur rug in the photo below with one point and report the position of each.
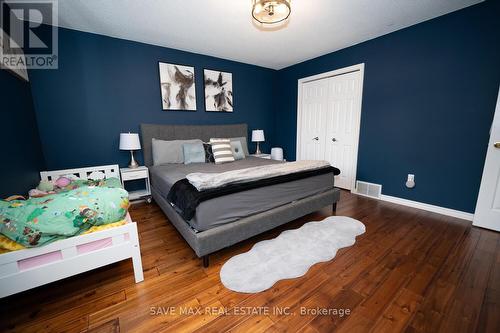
(289, 255)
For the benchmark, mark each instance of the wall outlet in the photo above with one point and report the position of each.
(410, 183)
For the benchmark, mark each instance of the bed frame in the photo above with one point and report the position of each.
(19, 270)
(206, 242)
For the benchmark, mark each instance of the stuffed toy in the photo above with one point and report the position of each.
(45, 186)
(62, 182)
(36, 193)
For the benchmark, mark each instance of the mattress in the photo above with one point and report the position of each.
(230, 208)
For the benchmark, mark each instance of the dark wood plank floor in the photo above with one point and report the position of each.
(412, 271)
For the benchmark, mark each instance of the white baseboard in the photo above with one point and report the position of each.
(364, 195)
(431, 208)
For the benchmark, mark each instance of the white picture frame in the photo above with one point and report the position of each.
(178, 87)
(218, 91)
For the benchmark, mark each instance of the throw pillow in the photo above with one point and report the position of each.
(222, 150)
(238, 152)
(209, 155)
(244, 144)
(193, 153)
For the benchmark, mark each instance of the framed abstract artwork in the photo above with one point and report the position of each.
(218, 91)
(178, 91)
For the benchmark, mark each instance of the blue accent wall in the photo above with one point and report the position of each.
(21, 152)
(105, 86)
(428, 102)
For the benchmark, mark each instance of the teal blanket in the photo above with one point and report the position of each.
(72, 211)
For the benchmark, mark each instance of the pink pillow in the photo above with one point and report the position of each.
(63, 182)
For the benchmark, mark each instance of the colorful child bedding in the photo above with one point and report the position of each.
(8, 245)
(70, 212)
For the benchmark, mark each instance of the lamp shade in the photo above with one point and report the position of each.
(258, 136)
(129, 141)
(271, 11)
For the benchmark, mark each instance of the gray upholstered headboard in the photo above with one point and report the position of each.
(186, 132)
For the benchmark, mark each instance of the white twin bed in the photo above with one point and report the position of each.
(29, 268)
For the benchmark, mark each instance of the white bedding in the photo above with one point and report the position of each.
(205, 181)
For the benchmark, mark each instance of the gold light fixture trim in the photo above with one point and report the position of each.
(271, 11)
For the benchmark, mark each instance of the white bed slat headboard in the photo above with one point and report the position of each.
(98, 172)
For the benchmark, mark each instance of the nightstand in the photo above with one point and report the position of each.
(266, 156)
(134, 174)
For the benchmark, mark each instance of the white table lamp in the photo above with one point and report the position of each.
(258, 136)
(130, 141)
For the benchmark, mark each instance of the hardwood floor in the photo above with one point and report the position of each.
(412, 271)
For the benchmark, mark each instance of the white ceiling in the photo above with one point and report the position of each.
(224, 28)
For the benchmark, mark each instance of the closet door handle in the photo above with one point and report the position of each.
(333, 139)
(316, 138)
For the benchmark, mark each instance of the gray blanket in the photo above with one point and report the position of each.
(208, 180)
(171, 173)
(232, 207)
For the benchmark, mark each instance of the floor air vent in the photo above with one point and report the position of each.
(368, 189)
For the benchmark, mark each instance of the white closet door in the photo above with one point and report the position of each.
(312, 122)
(342, 125)
(487, 213)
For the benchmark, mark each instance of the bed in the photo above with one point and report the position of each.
(227, 220)
(32, 267)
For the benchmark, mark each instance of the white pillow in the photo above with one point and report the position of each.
(169, 151)
(221, 148)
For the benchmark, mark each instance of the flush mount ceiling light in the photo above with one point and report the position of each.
(271, 11)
